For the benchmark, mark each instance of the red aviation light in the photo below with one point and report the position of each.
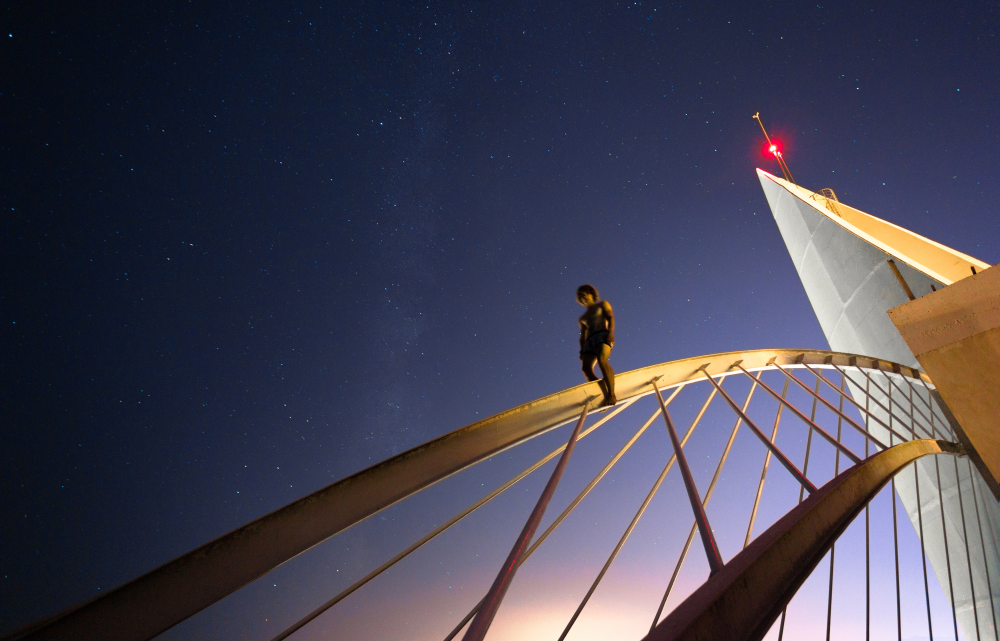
(773, 148)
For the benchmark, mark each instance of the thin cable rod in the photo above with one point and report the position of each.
(923, 553)
(590, 486)
(888, 410)
(631, 526)
(468, 617)
(982, 544)
(760, 435)
(785, 164)
(895, 537)
(938, 434)
(926, 401)
(865, 409)
(481, 624)
(920, 523)
(805, 463)
(868, 563)
(833, 548)
(767, 463)
(913, 422)
(708, 496)
(991, 525)
(878, 366)
(811, 422)
(829, 602)
(580, 497)
(809, 440)
(621, 543)
(968, 555)
(707, 538)
(839, 412)
(895, 540)
(447, 524)
(930, 394)
(947, 554)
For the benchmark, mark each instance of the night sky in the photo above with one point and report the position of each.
(248, 251)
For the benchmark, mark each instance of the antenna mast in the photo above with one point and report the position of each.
(785, 171)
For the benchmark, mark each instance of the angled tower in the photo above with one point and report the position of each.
(854, 268)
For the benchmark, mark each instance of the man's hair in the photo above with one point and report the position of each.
(587, 289)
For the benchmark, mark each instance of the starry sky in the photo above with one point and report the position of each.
(248, 251)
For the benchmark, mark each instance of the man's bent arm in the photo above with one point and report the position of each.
(610, 314)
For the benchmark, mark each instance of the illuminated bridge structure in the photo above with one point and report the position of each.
(871, 419)
(810, 449)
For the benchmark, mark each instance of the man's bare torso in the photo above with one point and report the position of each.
(594, 319)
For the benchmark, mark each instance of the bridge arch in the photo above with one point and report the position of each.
(864, 401)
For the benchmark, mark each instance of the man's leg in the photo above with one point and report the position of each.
(588, 361)
(609, 376)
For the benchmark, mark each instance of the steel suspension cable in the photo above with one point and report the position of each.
(778, 454)
(933, 394)
(982, 544)
(707, 538)
(708, 496)
(868, 550)
(913, 424)
(878, 366)
(923, 553)
(805, 465)
(994, 533)
(833, 548)
(867, 411)
(614, 553)
(635, 521)
(920, 525)
(767, 463)
(926, 401)
(809, 440)
(888, 410)
(839, 412)
(590, 486)
(895, 541)
(447, 524)
(920, 515)
(930, 406)
(811, 422)
(481, 624)
(947, 554)
(572, 505)
(968, 555)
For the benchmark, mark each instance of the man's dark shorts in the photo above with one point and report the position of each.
(594, 342)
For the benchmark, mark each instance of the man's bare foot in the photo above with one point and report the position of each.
(609, 402)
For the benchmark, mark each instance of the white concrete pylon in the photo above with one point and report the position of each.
(841, 255)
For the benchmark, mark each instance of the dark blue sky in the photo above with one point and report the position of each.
(248, 251)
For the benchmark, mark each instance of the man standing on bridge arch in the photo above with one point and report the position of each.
(597, 338)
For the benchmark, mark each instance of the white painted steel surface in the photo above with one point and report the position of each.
(841, 255)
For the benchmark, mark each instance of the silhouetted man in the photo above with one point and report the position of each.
(597, 338)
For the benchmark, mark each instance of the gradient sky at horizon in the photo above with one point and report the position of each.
(248, 251)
